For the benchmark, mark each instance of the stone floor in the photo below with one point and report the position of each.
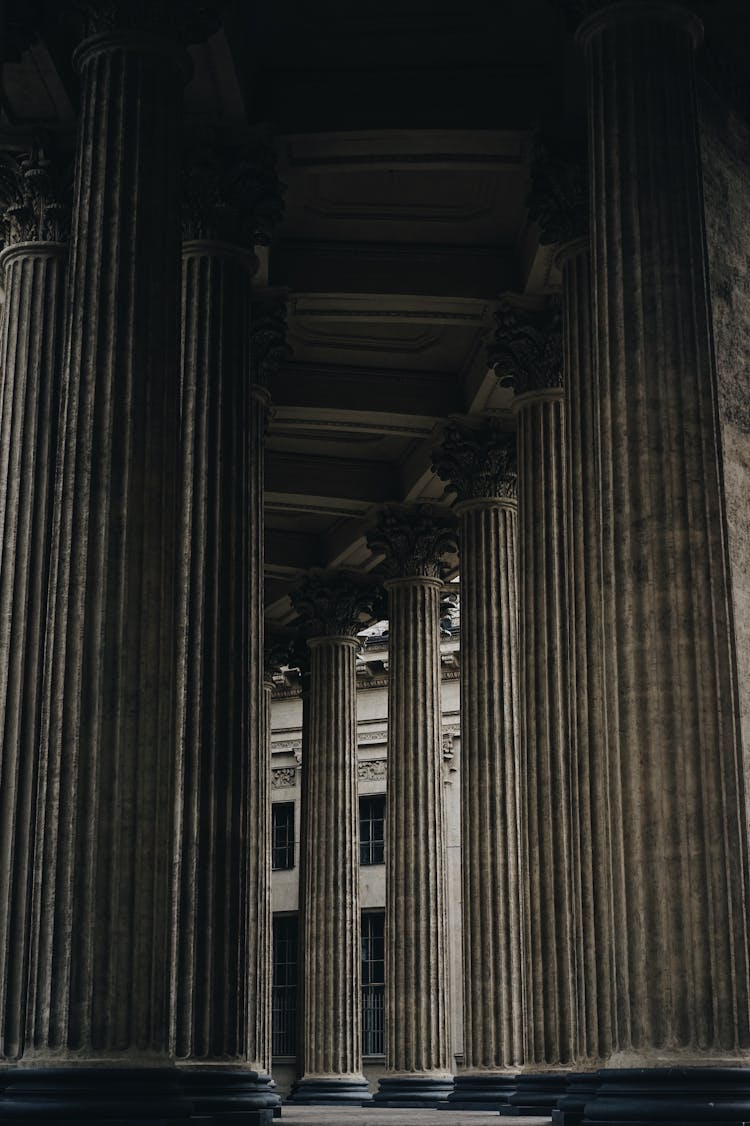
(345, 1116)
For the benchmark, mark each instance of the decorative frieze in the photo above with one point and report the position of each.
(477, 459)
(372, 770)
(526, 351)
(282, 776)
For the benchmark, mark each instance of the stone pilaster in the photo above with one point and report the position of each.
(417, 1047)
(676, 782)
(527, 356)
(478, 460)
(102, 918)
(221, 972)
(332, 607)
(35, 212)
(559, 202)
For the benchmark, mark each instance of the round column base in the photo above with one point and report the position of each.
(690, 1096)
(538, 1093)
(416, 1091)
(488, 1091)
(330, 1092)
(74, 1096)
(582, 1086)
(230, 1095)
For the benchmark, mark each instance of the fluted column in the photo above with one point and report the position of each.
(527, 355)
(221, 983)
(103, 895)
(417, 1046)
(478, 460)
(559, 203)
(332, 607)
(676, 782)
(36, 225)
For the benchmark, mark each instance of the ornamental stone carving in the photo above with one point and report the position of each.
(35, 197)
(372, 770)
(526, 352)
(414, 539)
(269, 347)
(231, 193)
(558, 200)
(335, 603)
(283, 776)
(477, 460)
(277, 652)
(187, 21)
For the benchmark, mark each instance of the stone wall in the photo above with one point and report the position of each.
(725, 143)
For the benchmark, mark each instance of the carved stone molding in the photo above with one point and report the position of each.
(526, 351)
(414, 539)
(283, 776)
(335, 603)
(558, 200)
(269, 331)
(231, 193)
(188, 21)
(372, 770)
(477, 460)
(35, 197)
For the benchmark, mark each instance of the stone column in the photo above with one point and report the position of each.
(221, 983)
(332, 606)
(36, 223)
(527, 355)
(417, 1046)
(478, 460)
(676, 782)
(103, 895)
(559, 203)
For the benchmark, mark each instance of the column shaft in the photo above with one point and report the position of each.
(416, 947)
(103, 891)
(30, 338)
(331, 926)
(545, 750)
(588, 733)
(224, 882)
(676, 786)
(493, 973)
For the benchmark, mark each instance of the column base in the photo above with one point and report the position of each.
(537, 1094)
(688, 1096)
(87, 1096)
(488, 1091)
(413, 1090)
(582, 1086)
(330, 1092)
(230, 1095)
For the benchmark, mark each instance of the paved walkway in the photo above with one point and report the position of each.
(363, 1116)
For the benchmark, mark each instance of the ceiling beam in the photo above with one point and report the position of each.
(307, 477)
(367, 390)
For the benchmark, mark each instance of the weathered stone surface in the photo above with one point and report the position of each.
(526, 350)
(30, 346)
(725, 145)
(676, 787)
(479, 461)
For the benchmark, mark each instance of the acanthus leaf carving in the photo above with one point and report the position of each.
(35, 196)
(477, 459)
(526, 351)
(269, 337)
(558, 199)
(414, 540)
(336, 603)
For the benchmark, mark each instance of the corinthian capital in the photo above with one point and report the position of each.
(35, 198)
(558, 199)
(231, 194)
(182, 21)
(414, 540)
(526, 351)
(335, 603)
(277, 651)
(269, 349)
(477, 460)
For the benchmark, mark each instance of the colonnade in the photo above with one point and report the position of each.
(606, 952)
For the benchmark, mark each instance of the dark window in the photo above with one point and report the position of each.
(372, 829)
(284, 994)
(373, 983)
(282, 851)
